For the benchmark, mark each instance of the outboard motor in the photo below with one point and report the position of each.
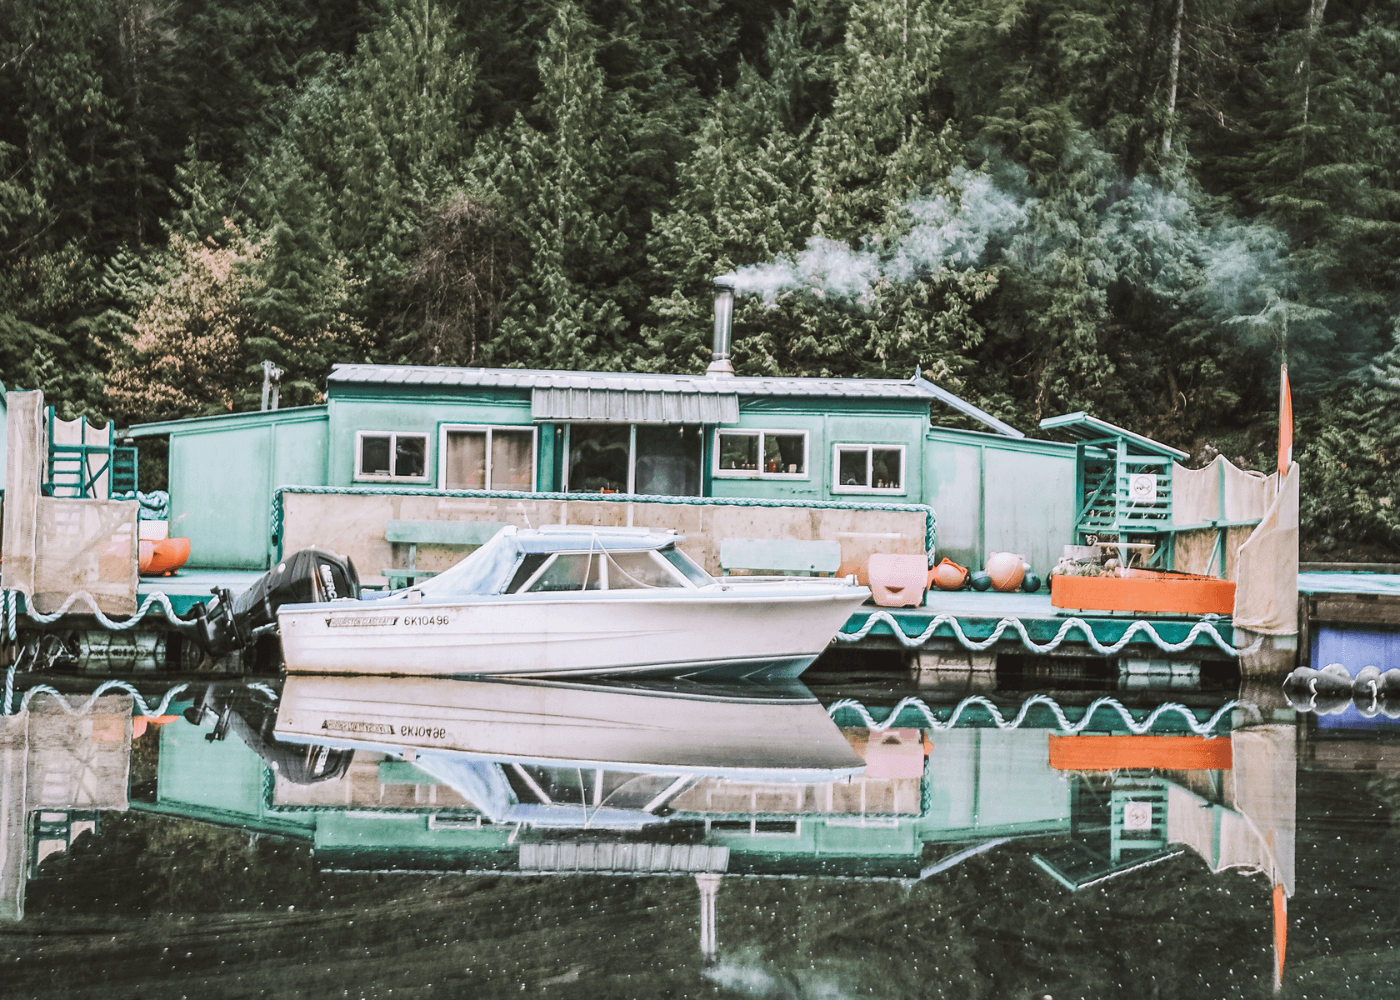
(252, 715)
(311, 576)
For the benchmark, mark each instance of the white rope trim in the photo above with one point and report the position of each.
(103, 688)
(1137, 728)
(1200, 628)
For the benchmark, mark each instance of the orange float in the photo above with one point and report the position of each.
(162, 557)
(1007, 570)
(947, 575)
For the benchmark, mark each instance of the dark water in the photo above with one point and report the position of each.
(223, 880)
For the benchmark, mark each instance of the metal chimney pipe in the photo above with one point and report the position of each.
(720, 365)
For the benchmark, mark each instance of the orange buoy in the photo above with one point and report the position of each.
(163, 556)
(947, 575)
(1006, 569)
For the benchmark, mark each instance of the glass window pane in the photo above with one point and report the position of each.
(738, 451)
(531, 562)
(785, 453)
(688, 566)
(410, 454)
(512, 460)
(851, 466)
(639, 571)
(567, 572)
(374, 455)
(466, 460)
(885, 468)
(668, 461)
(598, 458)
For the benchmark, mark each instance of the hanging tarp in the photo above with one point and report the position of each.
(1266, 597)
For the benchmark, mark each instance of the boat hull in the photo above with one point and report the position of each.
(552, 723)
(758, 630)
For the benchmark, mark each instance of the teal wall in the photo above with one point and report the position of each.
(992, 782)
(222, 473)
(828, 423)
(997, 494)
(409, 408)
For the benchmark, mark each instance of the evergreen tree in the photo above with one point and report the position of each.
(561, 183)
(885, 138)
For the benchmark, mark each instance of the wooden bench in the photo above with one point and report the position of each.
(437, 533)
(779, 555)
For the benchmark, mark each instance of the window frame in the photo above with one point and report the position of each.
(631, 490)
(444, 429)
(368, 477)
(761, 433)
(869, 449)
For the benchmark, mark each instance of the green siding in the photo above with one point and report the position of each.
(223, 472)
(829, 423)
(995, 494)
(417, 413)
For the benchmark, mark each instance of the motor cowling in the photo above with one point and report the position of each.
(309, 576)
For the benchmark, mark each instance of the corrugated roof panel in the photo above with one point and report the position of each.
(642, 405)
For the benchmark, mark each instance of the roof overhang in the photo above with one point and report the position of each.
(1085, 429)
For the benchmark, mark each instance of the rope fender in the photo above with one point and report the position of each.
(1070, 624)
(1137, 728)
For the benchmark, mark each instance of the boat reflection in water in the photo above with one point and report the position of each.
(517, 750)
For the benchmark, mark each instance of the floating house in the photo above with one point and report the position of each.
(401, 430)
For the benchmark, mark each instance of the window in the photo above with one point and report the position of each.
(761, 454)
(869, 468)
(597, 570)
(390, 455)
(569, 571)
(661, 459)
(488, 458)
(640, 571)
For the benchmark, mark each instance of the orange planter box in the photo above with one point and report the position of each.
(1144, 591)
(1170, 753)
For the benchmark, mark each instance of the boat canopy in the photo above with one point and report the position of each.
(490, 568)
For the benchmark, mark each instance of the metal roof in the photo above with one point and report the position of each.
(652, 398)
(525, 378)
(1082, 427)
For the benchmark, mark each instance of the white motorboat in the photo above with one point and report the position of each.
(568, 600)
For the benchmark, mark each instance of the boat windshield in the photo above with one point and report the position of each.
(485, 571)
(693, 571)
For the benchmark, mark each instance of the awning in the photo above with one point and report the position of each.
(635, 401)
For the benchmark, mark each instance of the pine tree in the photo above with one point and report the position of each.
(884, 140)
(559, 181)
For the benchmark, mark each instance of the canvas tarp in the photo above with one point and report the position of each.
(24, 466)
(87, 546)
(1254, 829)
(79, 431)
(1266, 592)
(52, 757)
(1261, 559)
(1218, 492)
(55, 547)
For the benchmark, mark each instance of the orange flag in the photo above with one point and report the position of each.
(1280, 934)
(1285, 422)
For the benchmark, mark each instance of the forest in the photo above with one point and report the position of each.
(1139, 209)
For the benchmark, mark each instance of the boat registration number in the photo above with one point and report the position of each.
(368, 621)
